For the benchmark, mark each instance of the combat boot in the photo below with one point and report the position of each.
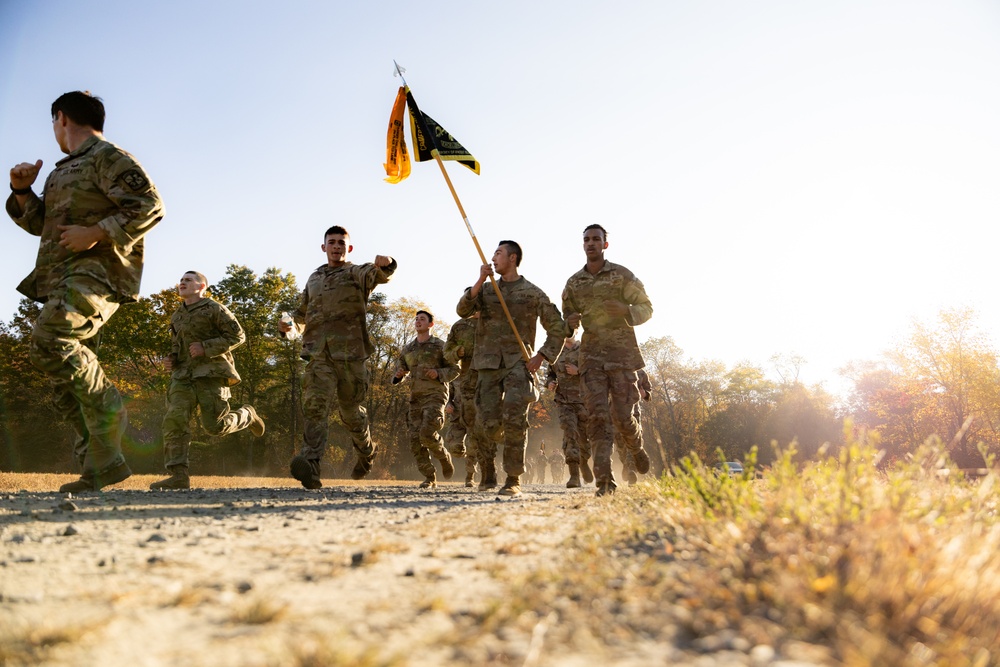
(92, 482)
(179, 479)
(641, 461)
(470, 472)
(512, 487)
(588, 474)
(429, 483)
(447, 467)
(605, 488)
(306, 471)
(363, 466)
(631, 477)
(256, 423)
(489, 476)
(574, 476)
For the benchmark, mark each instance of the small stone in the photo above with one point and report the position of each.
(156, 537)
(70, 530)
(68, 506)
(244, 587)
(761, 655)
(357, 558)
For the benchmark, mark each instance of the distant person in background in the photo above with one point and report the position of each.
(332, 319)
(609, 301)
(627, 458)
(203, 334)
(423, 359)
(94, 211)
(556, 463)
(563, 378)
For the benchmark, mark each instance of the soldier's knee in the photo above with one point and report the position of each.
(491, 429)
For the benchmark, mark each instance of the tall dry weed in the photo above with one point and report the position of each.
(865, 563)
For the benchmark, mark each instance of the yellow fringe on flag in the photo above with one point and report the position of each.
(397, 159)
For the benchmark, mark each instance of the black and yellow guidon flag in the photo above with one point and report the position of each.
(428, 135)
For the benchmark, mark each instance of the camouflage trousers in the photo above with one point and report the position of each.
(64, 345)
(624, 453)
(610, 397)
(502, 399)
(426, 418)
(463, 439)
(211, 396)
(324, 381)
(573, 420)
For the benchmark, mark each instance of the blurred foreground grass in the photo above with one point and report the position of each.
(836, 562)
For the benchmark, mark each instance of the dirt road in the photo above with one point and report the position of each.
(263, 572)
(371, 573)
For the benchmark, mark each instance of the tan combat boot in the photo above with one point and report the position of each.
(574, 476)
(512, 487)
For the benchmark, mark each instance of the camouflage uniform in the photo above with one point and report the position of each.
(332, 319)
(201, 381)
(556, 464)
(427, 399)
(627, 457)
(454, 434)
(609, 358)
(505, 389)
(459, 348)
(569, 404)
(99, 185)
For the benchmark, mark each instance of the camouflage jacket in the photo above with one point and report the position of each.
(461, 343)
(417, 358)
(332, 313)
(100, 185)
(496, 346)
(567, 386)
(210, 323)
(608, 342)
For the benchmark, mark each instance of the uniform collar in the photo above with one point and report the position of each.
(80, 150)
(198, 304)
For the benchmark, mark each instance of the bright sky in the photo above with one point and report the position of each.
(785, 177)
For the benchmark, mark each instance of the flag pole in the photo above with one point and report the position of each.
(465, 218)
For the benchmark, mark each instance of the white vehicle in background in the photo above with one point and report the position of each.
(731, 468)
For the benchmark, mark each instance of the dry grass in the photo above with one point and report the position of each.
(30, 645)
(258, 611)
(836, 563)
(322, 651)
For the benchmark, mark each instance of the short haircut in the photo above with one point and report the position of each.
(596, 226)
(336, 229)
(514, 247)
(430, 317)
(200, 276)
(82, 108)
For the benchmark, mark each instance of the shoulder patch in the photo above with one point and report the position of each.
(134, 180)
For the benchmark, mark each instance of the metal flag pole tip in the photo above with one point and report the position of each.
(398, 71)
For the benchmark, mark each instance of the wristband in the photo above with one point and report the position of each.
(20, 191)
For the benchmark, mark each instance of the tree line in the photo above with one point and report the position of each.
(943, 381)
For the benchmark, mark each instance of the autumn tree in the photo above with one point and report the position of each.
(943, 380)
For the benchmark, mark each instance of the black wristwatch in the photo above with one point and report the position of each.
(20, 191)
